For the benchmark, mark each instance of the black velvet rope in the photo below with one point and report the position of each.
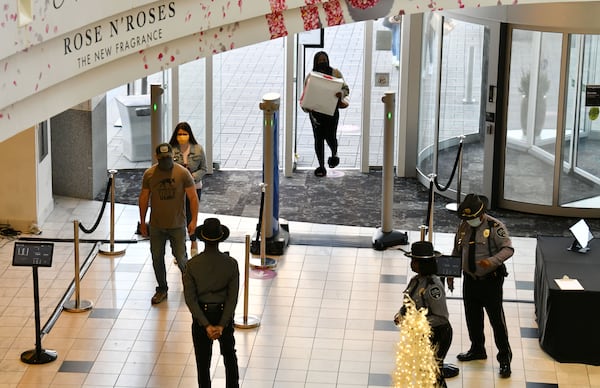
(83, 229)
(440, 188)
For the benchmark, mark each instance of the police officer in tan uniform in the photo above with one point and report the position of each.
(483, 243)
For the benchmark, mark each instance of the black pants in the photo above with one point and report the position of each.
(325, 130)
(188, 213)
(441, 339)
(486, 294)
(203, 351)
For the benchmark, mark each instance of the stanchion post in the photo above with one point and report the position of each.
(110, 249)
(77, 305)
(247, 321)
(265, 262)
(454, 206)
(423, 230)
(431, 206)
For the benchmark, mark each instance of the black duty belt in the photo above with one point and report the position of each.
(500, 272)
(211, 307)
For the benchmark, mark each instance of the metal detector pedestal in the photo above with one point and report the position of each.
(383, 240)
(385, 236)
(274, 245)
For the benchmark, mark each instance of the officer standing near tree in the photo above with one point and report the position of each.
(484, 245)
(427, 291)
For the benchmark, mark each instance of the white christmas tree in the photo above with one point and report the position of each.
(416, 365)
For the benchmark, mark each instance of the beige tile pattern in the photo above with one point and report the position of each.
(317, 316)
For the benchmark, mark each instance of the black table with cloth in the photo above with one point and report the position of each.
(568, 319)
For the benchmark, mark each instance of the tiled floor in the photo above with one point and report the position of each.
(325, 315)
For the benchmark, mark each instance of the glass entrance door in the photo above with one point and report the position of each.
(553, 134)
(580, 172)
(455, 76)
(532, 116)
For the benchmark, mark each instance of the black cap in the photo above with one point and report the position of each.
(164, 150)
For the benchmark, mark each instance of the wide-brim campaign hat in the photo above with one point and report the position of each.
(472, 207)
(422, 250)
(212, 231)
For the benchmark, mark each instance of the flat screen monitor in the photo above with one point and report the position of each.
(582, 234)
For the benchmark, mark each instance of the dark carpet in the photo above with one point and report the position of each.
(350, 198)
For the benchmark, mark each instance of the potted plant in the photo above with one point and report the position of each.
(543, 86)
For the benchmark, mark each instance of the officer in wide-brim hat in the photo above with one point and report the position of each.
(423, 258)
(427, 291)
(211, 287)
(472, 206)
(483, 244)
(212, 231)
(422, 250)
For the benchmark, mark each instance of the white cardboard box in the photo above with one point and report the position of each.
(319, 93)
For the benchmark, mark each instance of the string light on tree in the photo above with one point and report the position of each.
(416, 365)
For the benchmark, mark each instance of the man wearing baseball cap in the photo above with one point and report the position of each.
(165, 186)
(483, 243)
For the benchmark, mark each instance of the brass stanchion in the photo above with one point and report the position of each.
(77, 305)
(246, 321)
(423, 230)
(110, 249)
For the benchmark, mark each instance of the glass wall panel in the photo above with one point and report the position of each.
(386, 71)
(532, 116)
(461, 103)
(463, 74)
(192, 97)
(241, 78)
(428, 98)
(580, 173)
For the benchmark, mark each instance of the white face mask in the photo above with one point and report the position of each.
(475, 222)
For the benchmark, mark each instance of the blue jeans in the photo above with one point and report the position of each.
(158, 241)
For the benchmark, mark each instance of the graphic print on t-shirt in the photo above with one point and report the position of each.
(166, 190)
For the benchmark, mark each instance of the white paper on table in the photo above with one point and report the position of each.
(568, 284)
